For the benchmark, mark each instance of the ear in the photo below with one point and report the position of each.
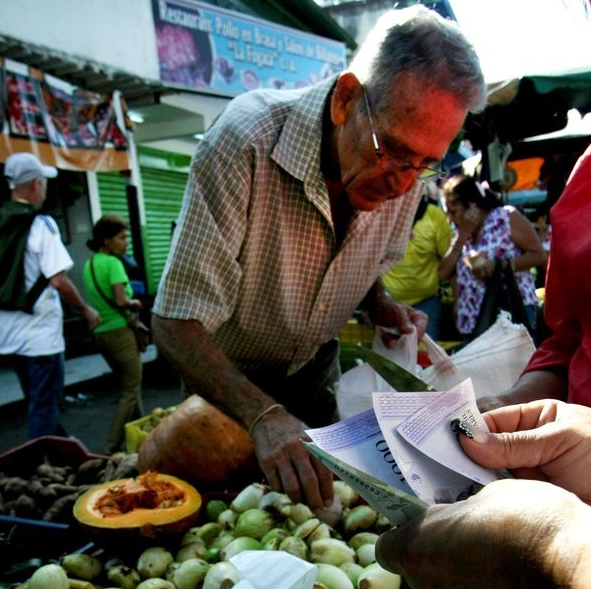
(344, 97)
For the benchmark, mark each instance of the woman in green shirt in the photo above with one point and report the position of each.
(108, 289)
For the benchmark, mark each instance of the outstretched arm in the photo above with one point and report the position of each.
(276, 435)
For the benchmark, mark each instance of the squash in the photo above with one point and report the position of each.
(200, 444)
(132, 512)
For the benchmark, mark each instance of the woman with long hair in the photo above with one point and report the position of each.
(108, 289)
(487, 233)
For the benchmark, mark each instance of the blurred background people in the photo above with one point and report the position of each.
(486, 232)
(561, 366)
(415, 279)
(108, 287)
(35, 340)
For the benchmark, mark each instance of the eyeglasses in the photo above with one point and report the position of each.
(390, 161)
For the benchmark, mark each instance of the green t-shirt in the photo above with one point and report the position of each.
(109, 270)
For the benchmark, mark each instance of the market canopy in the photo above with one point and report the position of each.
(530, 106)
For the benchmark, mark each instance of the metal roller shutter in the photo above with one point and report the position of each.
(113, 197)
(163, 194)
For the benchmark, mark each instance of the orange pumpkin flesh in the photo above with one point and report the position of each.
(200, 444)
(152, 506)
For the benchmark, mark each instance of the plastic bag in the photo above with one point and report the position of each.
(494, 360)
(357, 384)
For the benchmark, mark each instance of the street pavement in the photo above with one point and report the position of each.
(89, 401)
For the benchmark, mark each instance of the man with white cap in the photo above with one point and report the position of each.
(34, 340)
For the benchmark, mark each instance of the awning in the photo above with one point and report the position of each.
(529, 106)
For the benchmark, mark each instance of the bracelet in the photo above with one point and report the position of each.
(262, 414)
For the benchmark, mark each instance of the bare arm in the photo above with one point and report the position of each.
(531, 386)
(122, 300)
(207, 371)
(69, 294)
(525, 237)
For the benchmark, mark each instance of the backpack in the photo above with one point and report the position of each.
(16, 219)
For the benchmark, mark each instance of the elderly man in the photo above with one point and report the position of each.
(34, 339)
(298, 201)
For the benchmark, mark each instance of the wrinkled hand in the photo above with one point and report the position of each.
(545, 440)
(389, 313)
(92, 316)
(287, 465)
(510, 535)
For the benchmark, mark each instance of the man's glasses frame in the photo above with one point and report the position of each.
(386, 160)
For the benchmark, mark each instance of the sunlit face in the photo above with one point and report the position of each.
(417, 129)
(118, 244)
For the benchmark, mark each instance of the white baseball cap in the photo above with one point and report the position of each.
(23, 167)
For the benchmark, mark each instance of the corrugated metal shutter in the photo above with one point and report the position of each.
(163, 194)
(113, 197)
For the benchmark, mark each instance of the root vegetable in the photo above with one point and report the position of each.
(89, 471)
(12, 487)
(126, 466)
(61, 507)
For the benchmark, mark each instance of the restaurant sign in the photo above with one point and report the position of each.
(210, 49)
(65, 126)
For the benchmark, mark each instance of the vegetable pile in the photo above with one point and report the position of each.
(49, 491)
(255, 519)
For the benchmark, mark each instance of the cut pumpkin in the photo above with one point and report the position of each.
(151, 506)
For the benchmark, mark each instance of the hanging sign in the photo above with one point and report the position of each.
(65, 126)
(209, 49)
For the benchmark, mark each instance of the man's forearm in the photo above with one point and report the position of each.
(68, 292)
(538, 384)
(207, 371)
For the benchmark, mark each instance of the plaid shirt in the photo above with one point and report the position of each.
(254, 256)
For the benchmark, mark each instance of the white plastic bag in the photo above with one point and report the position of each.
(494, 360)
(274, 569)
(357, 384)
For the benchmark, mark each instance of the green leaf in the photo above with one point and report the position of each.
(396, 376)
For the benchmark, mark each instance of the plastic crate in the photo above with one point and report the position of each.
(23, 538)
(135, 432)
(356, 333)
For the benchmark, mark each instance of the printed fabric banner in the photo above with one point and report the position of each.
(215, 50)
(64, 125)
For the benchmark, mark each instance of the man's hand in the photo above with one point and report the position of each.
(285, 462)
(92, 316)
(403, 317)
(544, 440)
(510, 535)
